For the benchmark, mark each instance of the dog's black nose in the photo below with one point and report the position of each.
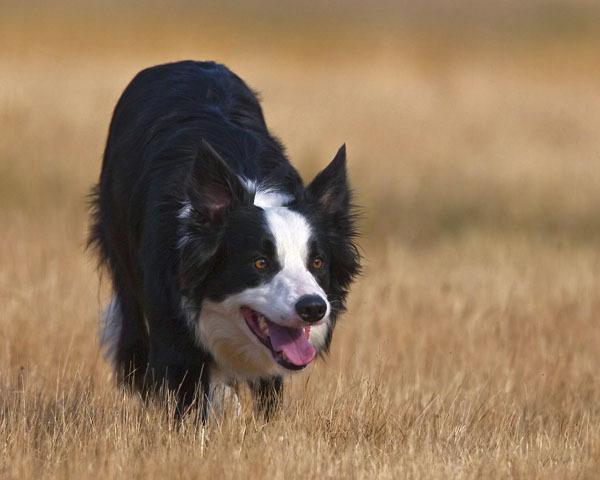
(311, 308)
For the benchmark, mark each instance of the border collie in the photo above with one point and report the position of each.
(224, 267)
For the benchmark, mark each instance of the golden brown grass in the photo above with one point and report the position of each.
(471, 346)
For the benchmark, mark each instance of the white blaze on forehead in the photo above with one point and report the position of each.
(271, 198)
(265, 196)
(292, 235)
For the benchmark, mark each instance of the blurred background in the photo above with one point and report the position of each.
(457, 114)
(473, 137)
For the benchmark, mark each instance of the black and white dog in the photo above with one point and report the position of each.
(225, 268)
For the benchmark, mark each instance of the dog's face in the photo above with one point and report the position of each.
(267, 271)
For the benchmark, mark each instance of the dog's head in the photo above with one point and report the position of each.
(264, 272)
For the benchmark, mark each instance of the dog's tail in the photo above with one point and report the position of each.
(111, 323)
(124, 339)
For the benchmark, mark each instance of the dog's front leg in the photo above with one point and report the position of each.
(223, 397)
(183, 372)
(267, 394)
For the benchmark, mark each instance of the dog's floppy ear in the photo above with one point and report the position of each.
(212, 187)
(330, 187)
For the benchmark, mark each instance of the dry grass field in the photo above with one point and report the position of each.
(471, 348)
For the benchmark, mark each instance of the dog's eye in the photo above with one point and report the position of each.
(261, 263)
(317, 263)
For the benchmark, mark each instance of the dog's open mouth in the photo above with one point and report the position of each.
(289, 346)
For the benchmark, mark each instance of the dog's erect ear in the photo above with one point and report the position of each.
(212, 187)
(330, 187)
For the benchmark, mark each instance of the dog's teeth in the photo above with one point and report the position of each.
(262, 324)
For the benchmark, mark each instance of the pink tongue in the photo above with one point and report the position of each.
(293, 343)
